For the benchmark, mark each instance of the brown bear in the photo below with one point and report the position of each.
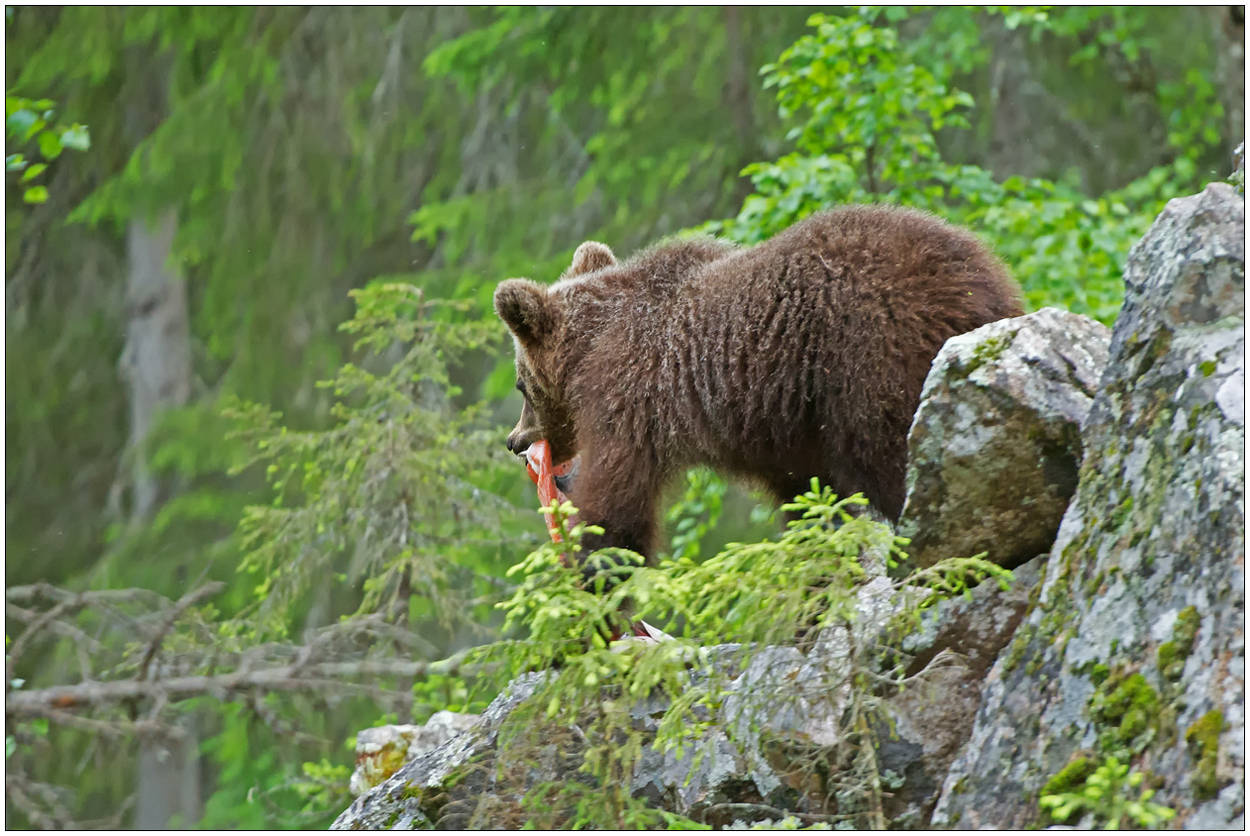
(802, 356)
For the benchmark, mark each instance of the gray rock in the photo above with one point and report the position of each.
(995, 446)
(782, 705)
(381, 750)
(930, 720)
(1154, 540)
(397, 802)
(1126, 638)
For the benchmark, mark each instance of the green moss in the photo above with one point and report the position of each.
(1094, 584)
(989, 350)
(1127, 708)
(1121, 512)
(1186, 628)
(1203, 738)
(1172, 654)
(1019, 645)
(1207, 367)
(455, 776)
(390, 759)
(1071, 777)
(1170, 660)
(1099, 673)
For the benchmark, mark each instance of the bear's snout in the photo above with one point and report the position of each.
(518, 442)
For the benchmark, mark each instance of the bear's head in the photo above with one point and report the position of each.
(536, 316)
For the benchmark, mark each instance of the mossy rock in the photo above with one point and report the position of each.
(1203, 738)
(1172, 654)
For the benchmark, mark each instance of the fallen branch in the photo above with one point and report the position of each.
(313, 677)
(53, 816)
(189, 600)
(67, 604)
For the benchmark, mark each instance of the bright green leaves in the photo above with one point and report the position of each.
(696, 513)
(26, 120)
(861, 98)
(863, 114)
(76, 138)
(1114, 799)
(778, 593)
(397, 493)
(864, 106)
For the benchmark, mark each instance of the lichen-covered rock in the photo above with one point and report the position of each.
(396, 803)
(782, 706)
(1135, 648)
(995, 445)
(932, 718)
(381, 750)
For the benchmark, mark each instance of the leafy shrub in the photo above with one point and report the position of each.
(864, 109)
(784, 591)
(1105, 796)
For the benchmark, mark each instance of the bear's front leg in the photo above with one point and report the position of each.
(616, 490)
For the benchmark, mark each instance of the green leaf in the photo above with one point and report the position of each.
(49, 145)
(76, 137)
(34, 171)
(36, 194)
(20, 122)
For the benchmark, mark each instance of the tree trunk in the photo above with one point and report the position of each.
(738, 90)
(738, 98)
(156, 366)
(1230, 45)
(169, 783)
(156, 363)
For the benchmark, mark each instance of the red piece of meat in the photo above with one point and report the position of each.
(544, 473)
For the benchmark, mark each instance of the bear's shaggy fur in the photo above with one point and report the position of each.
(802, 356)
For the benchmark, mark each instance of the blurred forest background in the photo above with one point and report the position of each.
(256, 491)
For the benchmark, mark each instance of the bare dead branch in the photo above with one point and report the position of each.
(19, 790)
(54, 593)
(84, 645)
(171, 617)
(111, 728)
(49, 617)
(64, 628)
(67, 604)
(315, 677)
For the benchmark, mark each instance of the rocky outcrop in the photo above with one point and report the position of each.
(401, 802)
(784, 703)
(995, 447)
(382, 750)
(1123, 640)
(1136, 646)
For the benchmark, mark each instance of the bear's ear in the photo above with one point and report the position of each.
(589, 257)
(527, 309)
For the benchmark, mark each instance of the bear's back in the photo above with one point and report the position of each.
(806, 354)
(865, 252)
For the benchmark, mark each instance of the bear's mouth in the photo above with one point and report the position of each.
(563, 474)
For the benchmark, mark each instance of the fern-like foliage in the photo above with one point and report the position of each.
(804, 592)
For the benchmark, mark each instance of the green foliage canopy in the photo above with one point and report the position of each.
(423, 154)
